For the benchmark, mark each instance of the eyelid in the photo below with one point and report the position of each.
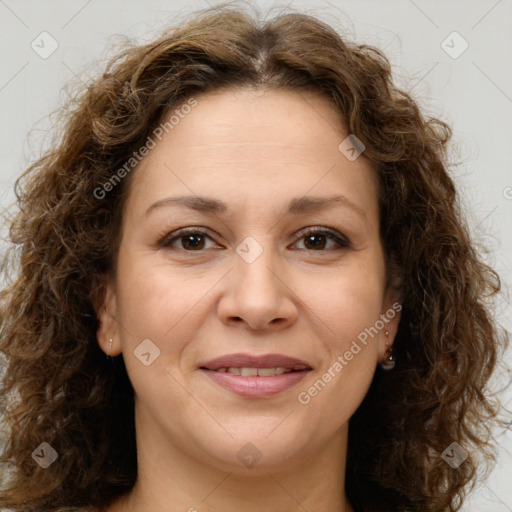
(333, 234)
(170, 237)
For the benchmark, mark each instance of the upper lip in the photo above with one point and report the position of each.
(254, 361)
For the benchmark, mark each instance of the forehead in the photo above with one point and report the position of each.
(252, 120)
(266, 145)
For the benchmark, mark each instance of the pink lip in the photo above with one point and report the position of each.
(250, 361)
(256, 387)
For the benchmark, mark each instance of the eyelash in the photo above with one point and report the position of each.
(343, 242)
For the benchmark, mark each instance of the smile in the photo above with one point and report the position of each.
(256, 386)
(255, 372)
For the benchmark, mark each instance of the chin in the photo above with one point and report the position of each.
(258, 450)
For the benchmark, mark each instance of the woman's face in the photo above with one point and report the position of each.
(246, 336)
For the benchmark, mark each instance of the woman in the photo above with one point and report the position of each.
(245, 283)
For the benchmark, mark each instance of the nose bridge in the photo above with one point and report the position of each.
(258, 296)
(252, 269)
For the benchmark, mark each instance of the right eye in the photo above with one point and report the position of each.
(191, 240)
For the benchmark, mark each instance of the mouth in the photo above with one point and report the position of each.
(256, 376)
(280, 363)
(257, 372)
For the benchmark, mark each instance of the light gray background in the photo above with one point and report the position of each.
(472, 92)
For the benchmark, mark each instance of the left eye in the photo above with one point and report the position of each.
(317, 238)
(194, 240)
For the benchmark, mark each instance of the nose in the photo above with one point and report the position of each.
(258, 295)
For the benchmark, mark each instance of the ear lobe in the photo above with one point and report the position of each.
(393, 313)
(392, 316)
(106, 311)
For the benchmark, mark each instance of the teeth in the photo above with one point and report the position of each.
(248, 372)
(253, 372)
(267, 372)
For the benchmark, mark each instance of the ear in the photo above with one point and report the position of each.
(391, 317)
(106, 311)
(391, 314)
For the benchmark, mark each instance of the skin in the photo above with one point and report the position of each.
(255, 151)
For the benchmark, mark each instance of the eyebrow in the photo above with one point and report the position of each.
(297, 206)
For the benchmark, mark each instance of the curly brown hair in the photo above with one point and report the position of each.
(59, 387)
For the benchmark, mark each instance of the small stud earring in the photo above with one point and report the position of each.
(389, 360)
(110, 347)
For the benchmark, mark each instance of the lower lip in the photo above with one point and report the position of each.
(256, 387)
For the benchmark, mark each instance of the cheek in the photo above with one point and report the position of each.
(155, 304)
(153, 298)
(355, 346)
(348, 300)
(344, 378)
(349, 306)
